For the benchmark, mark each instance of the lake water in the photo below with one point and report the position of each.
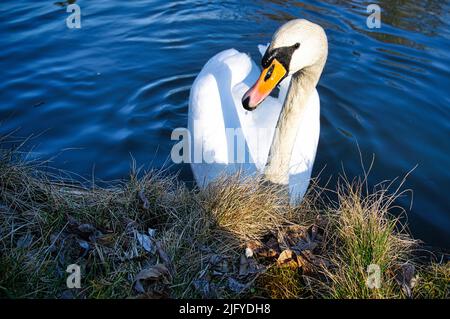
(117, 87)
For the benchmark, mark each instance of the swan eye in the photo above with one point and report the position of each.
(297, 45)
(269, 73)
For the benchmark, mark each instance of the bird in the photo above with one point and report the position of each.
(238, 123)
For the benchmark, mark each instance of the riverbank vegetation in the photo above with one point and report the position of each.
(152, 237)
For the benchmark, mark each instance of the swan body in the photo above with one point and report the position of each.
(226, 138)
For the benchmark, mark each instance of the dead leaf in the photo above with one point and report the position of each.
(222, 267)
(87, 228)
(158, 272)
(146, 242)
(130, 225)
(304, 244)
(219, 264)
(290, 236)
(288, 258)
(151, 232)
(249, 266)
(305, 265)
(235, 286)
(268, 249)
(243, 266)
(83, 244)
(205, 288)
(267, 253)
(298, 239)
(95, 236)
(253, 245)
(315, 232)
(215, 259)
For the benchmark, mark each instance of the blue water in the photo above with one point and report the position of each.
(93, 98)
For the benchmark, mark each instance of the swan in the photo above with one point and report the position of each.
(235, 124)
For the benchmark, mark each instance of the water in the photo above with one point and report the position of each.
(93, 97)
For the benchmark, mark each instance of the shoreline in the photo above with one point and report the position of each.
(152, 237)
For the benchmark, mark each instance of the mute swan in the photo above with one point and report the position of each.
(279, 138)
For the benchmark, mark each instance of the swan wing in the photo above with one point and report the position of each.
(215, 106)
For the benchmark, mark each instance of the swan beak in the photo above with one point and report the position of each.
(268, 80)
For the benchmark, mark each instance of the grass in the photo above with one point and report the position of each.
(365, 238)
(434, 282)
(152, 237)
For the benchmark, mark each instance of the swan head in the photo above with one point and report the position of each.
(296, 45)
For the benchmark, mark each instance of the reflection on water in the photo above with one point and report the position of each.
(120, 85)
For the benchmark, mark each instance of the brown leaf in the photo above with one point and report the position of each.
(310, 262)
(298, 239)
(253, 244)
(287, 258)
(304, 264)
(158, 272)
(268, 249)
(290, 236)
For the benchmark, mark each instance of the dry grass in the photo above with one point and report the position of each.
(48, 221)
(364, 234)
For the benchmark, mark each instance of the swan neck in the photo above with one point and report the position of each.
(301, 87)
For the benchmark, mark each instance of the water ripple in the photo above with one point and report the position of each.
(121, 83)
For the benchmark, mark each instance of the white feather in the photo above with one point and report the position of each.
(215, 104)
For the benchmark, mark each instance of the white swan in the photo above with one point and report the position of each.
(279, 137)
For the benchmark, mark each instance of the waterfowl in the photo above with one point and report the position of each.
(235, 124)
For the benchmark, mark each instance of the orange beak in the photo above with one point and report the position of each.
(268, 80)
